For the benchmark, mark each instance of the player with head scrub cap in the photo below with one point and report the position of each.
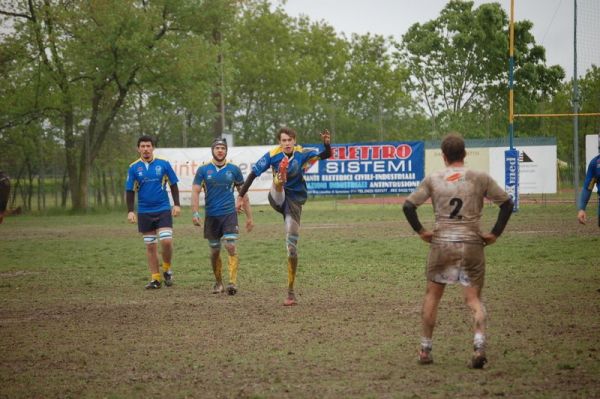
(218, 178)
(456, 252)
(149, 176)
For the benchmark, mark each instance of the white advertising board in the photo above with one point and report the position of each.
(537, 168)
(185, 162)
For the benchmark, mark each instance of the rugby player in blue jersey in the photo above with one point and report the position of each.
(149, 176)
(218, 178)
(288, 193)
(592, 178)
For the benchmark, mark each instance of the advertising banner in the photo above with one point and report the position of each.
(185, 162)
(537, 168)
(511, 175)
(369, 168)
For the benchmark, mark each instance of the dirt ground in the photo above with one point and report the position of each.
(75, 321)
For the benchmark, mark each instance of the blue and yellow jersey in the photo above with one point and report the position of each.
(218, 183)
(592, 178)
(150, 181)
(300, 161)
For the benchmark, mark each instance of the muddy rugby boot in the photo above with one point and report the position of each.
(168, 276)
(218, 288)
(153, 285)
(425, 357)
(283, 166)
(231, 289)
(478, 360)
(290, 300)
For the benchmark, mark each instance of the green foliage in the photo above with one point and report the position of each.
(459, 66)
(80, 81)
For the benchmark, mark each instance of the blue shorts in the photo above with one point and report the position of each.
(215, 227)
(154, 220)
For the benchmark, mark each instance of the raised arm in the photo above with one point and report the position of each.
(326, 137)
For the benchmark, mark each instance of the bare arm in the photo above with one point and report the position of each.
(248, 211)
(196, 217)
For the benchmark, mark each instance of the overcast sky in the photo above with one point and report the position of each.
(552, 22)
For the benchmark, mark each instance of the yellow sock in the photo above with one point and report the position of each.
(292, 267)
(217, 269)
(233, 264)
(156, 276)
(166, 267)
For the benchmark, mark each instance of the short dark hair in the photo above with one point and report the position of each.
(290, 132)
(146, 138)
(453, 147)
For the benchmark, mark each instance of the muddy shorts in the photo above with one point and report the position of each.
(456, 262)
(289, 207)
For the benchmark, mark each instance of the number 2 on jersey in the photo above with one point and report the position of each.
(457, 203)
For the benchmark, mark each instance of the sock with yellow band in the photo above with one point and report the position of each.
(233, 263)
(166, 267)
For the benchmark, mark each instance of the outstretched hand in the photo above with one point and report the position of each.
(326, 136)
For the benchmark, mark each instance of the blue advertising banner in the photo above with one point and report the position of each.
(511, 176)
(369, 168)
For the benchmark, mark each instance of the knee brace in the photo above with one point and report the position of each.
(214, 244)
(165, 235)
(150, 239)
(291, 241)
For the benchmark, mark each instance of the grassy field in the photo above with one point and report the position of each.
(76, 322)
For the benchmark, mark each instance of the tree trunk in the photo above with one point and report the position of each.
(29, 190)
(77, 199)
(64, 190)
(104, 188)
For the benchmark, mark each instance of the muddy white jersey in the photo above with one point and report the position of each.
(457, 195)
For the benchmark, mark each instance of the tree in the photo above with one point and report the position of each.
(459, 63)
(90, 56)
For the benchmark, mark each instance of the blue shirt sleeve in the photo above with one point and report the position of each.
(171, 174)
(588, 185)
(199, 178)
(262, 165)
(130, 182)
(309, 158)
